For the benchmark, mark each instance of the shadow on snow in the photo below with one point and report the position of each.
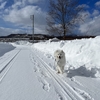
(82, 71)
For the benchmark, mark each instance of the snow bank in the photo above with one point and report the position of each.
(81, 55)
(5, 47)
(22, 43)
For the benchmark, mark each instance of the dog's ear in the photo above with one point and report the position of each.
(62, 51)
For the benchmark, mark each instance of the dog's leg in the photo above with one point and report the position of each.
(60, 70)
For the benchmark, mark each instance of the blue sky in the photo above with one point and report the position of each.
(15, 17)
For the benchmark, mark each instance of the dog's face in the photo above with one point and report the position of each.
(59, 54)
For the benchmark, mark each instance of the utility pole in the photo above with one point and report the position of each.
(32, 18)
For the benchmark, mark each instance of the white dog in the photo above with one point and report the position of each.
(60, 60)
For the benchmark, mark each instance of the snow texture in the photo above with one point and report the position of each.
(82, 56)
(27, 71)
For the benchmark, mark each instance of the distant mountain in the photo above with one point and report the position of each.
(43, 37)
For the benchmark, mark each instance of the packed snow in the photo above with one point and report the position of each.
(27, 71)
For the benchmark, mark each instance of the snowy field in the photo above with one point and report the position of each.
(27, 71)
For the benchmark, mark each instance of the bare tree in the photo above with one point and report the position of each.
(62, 16)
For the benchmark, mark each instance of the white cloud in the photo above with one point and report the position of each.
(91, 23)
(19, 14)
(22, 16)
(97, 4)
(24, 2)
(3, 5)
(0, 0)
(16, 5)
(83, 5)
(34, 1)
(7, 31)
(86, 16)
(91, 28)
(95, 13)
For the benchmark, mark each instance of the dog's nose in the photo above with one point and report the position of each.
(59, 57)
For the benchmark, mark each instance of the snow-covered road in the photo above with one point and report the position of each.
(21, 82)
(27, 74)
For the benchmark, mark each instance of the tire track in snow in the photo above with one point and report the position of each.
(67, 90)
(6, 68)
(84, 94)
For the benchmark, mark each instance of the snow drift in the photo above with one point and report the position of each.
(5, 47)
(22, 43)
(81, 55)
